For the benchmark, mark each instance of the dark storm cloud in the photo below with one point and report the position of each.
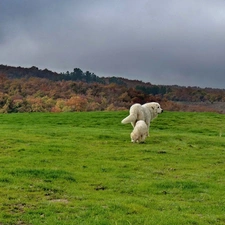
(163, 42)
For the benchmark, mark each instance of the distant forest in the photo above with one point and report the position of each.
(35, 90)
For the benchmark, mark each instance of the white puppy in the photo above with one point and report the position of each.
(146, 112)
(140, 132)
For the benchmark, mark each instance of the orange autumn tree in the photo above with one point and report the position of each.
(77, 103)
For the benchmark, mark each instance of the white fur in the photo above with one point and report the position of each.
(140, 132)
(146, 112)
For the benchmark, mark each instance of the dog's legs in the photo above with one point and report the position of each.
(148, 124)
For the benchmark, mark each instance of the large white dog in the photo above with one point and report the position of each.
(140, 132)
(146, 112)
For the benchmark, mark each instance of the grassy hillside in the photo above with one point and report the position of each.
(81, 168)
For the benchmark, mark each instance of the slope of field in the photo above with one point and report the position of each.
(81, 168)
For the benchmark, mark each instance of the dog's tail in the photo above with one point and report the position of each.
(129, 119)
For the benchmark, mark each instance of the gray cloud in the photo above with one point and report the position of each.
(162, 42)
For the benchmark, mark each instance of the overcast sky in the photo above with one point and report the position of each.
(159, 41)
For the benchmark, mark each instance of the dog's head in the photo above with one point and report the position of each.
(157, 108)
(154, 108)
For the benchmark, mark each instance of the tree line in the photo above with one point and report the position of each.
(34, 90)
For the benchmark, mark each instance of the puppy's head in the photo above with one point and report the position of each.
(134, 137)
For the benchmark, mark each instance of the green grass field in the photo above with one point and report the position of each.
(81, 168)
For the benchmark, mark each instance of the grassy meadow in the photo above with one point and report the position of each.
(81, 168)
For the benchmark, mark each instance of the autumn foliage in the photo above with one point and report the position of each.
(51, 92)
(43, 95)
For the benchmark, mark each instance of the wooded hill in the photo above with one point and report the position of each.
(35, 90)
